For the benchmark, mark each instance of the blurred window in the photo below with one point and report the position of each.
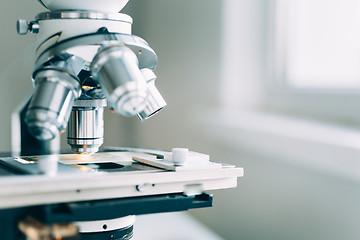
(317, 44)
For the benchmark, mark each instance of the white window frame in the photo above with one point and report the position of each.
(335, 105)
(251, 66)
(313, 128)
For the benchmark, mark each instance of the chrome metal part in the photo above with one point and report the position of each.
(155, 102)
(23, 27)
(86, 125)
(50, 106)
(34, 27)
(83, 15)
(117, 69)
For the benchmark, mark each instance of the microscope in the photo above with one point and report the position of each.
(86, 59)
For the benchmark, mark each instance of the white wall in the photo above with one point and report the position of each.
(16, 62)
(186, 37)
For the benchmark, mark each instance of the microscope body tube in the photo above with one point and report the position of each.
(86, 126)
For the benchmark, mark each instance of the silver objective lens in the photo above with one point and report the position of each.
(117, 70)
(50, 106)
(86, 126)
(155, 102)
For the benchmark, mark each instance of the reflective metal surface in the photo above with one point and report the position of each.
(86, 126)
(50, 106)
(83, 15)
(155, 102)
(117, 69)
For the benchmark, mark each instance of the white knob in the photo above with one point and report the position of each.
(48, 164)
(180, 156)
(22, 26)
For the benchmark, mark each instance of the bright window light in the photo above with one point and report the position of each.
(319, 43)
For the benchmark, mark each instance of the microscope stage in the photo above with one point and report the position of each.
(105, 175)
